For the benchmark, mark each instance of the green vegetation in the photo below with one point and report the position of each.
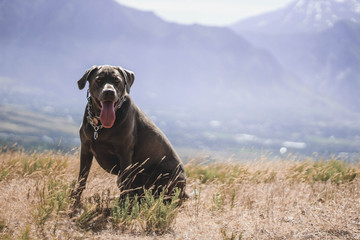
(22, 164)
(96, 210)
(125, 212)
(156, 214)
(222, 172)
(151, 213)
(333, 170)
(25, 234)
(229, 173)
(2, 225)
(233, 236)
(217, 201)
(53, 199)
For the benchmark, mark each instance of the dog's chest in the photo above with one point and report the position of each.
(106, 155)
(100, 147)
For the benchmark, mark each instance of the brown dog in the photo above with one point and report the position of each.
(123, 139)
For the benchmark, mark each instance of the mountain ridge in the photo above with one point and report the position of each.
(121, 35)
(301, 16)
(324, 59)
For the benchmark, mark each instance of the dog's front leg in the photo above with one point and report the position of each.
(86, 158)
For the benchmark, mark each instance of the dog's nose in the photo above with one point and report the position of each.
(109, 93)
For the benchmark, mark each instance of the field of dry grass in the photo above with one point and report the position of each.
(255, 199)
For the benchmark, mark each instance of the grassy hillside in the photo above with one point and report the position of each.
(259, 199)
(33, 127)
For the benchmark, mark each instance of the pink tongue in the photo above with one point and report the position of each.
(107, 115)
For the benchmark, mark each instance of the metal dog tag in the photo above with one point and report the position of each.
(96, 135)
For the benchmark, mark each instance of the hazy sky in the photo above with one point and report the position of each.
(209, 12)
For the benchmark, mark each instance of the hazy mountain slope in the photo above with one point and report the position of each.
(28, 127)
(324, 53)
(54, 42)
(302, 16)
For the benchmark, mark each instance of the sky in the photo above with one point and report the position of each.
(206, 12)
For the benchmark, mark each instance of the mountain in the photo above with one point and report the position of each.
(206, 87)
(302, 16)
(48, 45)
(184, 74)
(323, 52)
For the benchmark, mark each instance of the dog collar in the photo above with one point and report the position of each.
(94, 120)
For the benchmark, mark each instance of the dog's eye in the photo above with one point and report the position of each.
(98, 80)
(117, 80)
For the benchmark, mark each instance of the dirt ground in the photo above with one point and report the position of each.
(268, 200)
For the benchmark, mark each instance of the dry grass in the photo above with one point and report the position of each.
(261, 199)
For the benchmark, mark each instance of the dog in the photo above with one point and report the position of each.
(123, 140)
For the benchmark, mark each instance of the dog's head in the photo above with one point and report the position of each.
(107, 85)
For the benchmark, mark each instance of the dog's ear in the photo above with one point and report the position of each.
(82, 82)
(129, 77)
